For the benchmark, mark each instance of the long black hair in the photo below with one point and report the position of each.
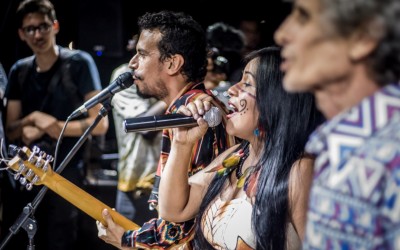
(286, 120)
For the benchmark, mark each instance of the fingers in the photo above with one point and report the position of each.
(107, 217)
(101, 229)
(196, 108)
(202, 124)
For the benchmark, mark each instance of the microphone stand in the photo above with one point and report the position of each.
(25, 219)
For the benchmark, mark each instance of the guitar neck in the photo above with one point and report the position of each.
(38, 171)
(84, 201)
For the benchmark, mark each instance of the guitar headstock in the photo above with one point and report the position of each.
(31, 167)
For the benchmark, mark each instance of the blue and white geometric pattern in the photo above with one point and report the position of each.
(355, 196)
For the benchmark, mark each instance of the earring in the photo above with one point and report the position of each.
(256, 132)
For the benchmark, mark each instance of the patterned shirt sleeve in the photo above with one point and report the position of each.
(167, 234)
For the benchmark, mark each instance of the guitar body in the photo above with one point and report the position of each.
(36, 170)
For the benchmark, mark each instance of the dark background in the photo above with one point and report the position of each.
(110, 24)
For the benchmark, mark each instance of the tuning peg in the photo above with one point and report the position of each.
(39, 160)
(29, 186)
(35, 151)
(49, 159)
(16, 176)
(21, 166)
(22, 180)
(29, 174)
(35, 179)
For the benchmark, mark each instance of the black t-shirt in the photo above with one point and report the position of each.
(55, 94)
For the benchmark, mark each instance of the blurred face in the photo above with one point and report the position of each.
(38, 32)
(251, 33)
(313, 56)
(243, 121)
(148, 70)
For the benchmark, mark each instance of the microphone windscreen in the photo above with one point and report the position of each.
(213, 117)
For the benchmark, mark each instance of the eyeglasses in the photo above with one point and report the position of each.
(43, 28)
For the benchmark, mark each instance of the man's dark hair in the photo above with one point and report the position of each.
(43, 7)
(180, 34)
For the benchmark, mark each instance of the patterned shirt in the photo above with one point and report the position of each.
(355, 197)
(158, 233)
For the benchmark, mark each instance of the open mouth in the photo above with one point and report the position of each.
(232, 110)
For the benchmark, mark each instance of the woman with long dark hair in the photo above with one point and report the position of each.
(255, 194)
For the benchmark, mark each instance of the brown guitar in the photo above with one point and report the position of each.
(36, 170)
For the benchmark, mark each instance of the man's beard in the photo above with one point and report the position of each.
(159, 93)
(143, 95)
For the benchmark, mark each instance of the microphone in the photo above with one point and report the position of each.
(122, 82)
(158, 122)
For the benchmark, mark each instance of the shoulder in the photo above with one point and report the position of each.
(300, 178)
(301, 169)
(21, 68)
(75, 55)
(27, 61)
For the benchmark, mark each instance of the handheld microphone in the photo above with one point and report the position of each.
(158, 122)
(122, 82)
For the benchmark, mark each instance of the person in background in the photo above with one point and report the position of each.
(170, 65)
(43, 90)
(138, 152)
(250, 27)
(3, 151)
(254, 195)
(252, 33)
(3, 86)
(347, 54)
(224, 60)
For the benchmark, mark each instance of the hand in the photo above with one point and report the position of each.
(46, 123)
(196, 109)
(31, 134)
(112, 234)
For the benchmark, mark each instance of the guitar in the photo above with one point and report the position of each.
(33, 168)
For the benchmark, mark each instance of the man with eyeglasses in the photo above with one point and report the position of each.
(43, 91)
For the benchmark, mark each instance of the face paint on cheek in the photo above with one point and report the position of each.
(243, 106)
(243, 102)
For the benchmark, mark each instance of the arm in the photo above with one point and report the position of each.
(15, 123)
(37, 123)
(77, 127)
(179, 198)
(152, 235)
(300, 181)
